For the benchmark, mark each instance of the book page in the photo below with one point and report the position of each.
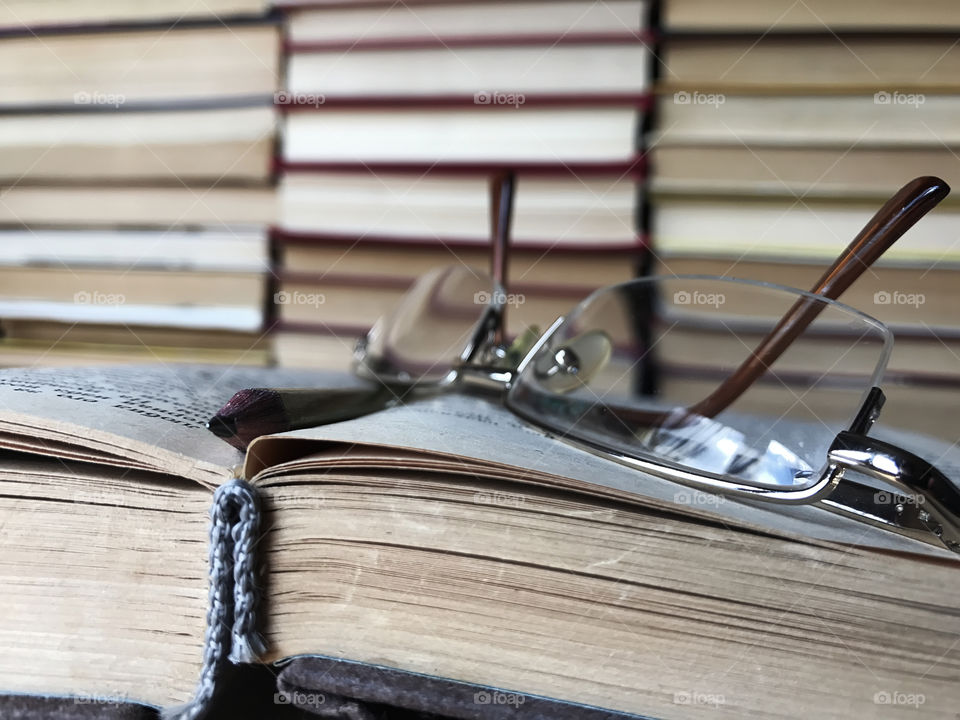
(482, 430)
(151, 417)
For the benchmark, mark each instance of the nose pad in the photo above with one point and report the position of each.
(574, 363)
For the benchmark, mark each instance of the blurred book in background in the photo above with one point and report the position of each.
(781, 127)
(396, 118)
(137, 181)
(19, 15)
(812, 15)
(187, 284)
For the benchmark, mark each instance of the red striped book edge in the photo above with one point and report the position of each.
(628, 37)
(576, 293)
(634, 167)
(294, 5)
(897, 34)
(288, 101)
(104, 27)
(584, 247)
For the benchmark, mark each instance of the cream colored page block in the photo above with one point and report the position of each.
(111, 205)
(568, 69)
(838, 121)
(24, 13)
(113, 69)
(464, 18)
(545, 595)
(105, 595)
(562, 210)
(820, 61)
(523, 134)
(174, 250)
(765, 229)
(817, 15)
(186, 145)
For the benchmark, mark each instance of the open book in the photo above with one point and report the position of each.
(444, 537)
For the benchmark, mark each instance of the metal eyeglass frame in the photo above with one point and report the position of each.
(927, 507)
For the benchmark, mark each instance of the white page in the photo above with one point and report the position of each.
(471, 427)
(153, 415)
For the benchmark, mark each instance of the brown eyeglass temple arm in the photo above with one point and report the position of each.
(898, 214)
(501, 215)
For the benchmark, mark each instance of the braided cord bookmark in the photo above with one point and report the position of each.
(232, 602)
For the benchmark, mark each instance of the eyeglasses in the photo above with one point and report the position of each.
(747, 389)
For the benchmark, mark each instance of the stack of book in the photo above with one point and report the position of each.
(136, 182)
(782, 127)
(395, 119)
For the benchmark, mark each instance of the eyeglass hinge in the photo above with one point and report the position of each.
(869, 412)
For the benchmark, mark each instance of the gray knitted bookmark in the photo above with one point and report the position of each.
(232, 604)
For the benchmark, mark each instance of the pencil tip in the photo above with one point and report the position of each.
(247, 415)
(222, 426)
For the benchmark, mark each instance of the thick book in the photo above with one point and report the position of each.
(197, 144)
(47, 343)
(883, 119)
(699, 166)
(811, 15)
(809, 229)
(213, 279)
(128, 205)
(539, 264)
(558, 66)
(899, 294)
(559, 210)
(443, 538)
(475, 20)
(806, 62)
(125, 67)
(30, 16)
(494, 129)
